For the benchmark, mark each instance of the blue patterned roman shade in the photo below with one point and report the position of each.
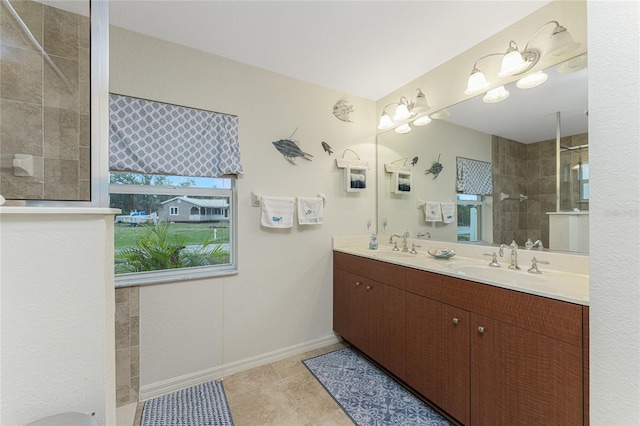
(473, 177)
(157, 138)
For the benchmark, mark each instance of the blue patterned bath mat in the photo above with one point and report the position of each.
(201, 405)
(367, 394)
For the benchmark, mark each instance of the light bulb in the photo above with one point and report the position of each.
(496, 95)
(402, 129)
(422, 121)
(532, 80)
(477, 83)
(385, 122)
(402, 113)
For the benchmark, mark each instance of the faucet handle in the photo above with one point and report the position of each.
(395, 246)
(534, 266)
(494, 259)
(413, 248)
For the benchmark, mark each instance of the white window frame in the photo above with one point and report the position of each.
(175, 209)
(480, 203)
(172, 275)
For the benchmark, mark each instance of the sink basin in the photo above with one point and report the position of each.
(390, 254)
(495, 274)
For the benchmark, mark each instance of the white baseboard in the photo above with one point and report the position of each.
(171, 385)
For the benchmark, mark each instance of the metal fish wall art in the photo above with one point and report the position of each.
(327, 148)
(290, 149)
(435, 168)
(342, 109)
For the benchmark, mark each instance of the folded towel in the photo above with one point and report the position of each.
(277, 212)
(448, 211)
(432, 211)
(309, 211)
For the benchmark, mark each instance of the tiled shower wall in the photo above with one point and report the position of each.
(40, 113)
(127, 345)
(528, 169)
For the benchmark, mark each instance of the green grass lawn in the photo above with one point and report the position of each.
(196, 233)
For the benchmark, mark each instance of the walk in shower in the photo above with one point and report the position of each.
(45, 101)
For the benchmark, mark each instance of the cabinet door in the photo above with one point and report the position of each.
(523, 378)
(349, 307)
(438, 354)
(385, 318)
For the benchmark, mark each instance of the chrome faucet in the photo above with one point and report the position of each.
(534, 266)
(422, 234)
(529, 244)
(405, 244)
(514, 254)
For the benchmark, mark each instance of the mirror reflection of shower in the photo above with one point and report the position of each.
(574, 182)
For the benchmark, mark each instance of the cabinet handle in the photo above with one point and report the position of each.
(358, 283)
(481, 329)
(369, 287)
(456, 320)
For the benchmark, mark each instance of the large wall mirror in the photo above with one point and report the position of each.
(536, 141)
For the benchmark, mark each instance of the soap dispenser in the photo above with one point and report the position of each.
(373, 241)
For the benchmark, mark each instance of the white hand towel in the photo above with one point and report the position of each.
(277, 212)
(448, 212)
(432, 211)
(309, 211)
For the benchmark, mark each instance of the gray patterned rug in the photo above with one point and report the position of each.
(201, 405)
(367, 394)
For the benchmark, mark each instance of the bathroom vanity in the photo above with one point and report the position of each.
(485, 354)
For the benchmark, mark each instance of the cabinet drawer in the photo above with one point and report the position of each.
(388, 273)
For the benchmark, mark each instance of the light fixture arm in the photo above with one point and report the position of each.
(475, 65)
(559, 28)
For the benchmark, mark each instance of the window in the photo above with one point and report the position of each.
(155, 242)
(469, 217)
(583, 181)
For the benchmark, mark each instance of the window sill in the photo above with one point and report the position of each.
(57, 210)
(169, 276)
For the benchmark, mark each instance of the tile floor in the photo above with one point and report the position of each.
(283, 393)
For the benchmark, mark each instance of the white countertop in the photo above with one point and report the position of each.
(565, 278)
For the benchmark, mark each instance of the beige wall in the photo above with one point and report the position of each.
(614, 219)
(57, 317)
(281, 299)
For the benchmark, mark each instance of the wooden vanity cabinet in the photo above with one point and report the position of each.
(370, 315)
(483, 354)
(438, 354)
(523, 378)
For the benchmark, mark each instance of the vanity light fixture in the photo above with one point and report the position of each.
(496, 95)
(403, 128)
(422, 121)
(532, 80)
(405, 112)
(574, 64)
(516, 62)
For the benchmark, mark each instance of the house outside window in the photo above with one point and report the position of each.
(172, 228)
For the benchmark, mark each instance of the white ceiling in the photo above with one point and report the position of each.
(363, 48)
